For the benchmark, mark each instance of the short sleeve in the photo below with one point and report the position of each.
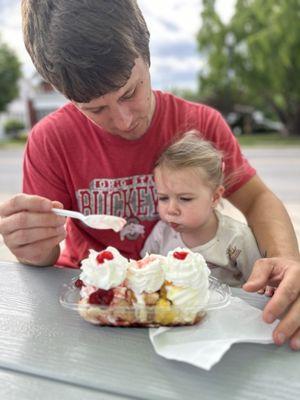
(153, 242)
(43, 169)
(250, 252)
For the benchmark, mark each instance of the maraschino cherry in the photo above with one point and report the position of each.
(180, 255)
(104, 255)
(78, 283)
(102, 297)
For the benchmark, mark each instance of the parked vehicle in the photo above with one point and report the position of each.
(248, 121)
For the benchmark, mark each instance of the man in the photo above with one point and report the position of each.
(96, 154)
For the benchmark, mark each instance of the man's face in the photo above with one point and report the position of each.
(128, 111)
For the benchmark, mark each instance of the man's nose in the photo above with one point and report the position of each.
(122, 117)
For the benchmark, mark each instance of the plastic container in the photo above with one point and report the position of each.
(162, 314)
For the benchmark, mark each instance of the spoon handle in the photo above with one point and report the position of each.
(67, 213)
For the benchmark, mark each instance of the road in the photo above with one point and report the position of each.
(10, 170)
(278, 167)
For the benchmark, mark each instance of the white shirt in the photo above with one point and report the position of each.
(230, 254)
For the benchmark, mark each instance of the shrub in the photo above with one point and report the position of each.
(13, 128)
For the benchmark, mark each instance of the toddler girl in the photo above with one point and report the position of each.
(189, 183)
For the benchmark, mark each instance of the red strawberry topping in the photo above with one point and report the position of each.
(102, 297)
(78, 283)
(180, 255)
(104, 255)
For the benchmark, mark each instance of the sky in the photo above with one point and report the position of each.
(173, 26)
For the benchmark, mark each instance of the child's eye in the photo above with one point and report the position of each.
(163, 198)
(186, 199)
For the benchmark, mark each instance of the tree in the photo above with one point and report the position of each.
(10, 72)
(255, 57)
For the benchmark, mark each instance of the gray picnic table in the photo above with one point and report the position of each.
(48, 352)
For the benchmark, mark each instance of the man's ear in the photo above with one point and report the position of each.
(217, 195)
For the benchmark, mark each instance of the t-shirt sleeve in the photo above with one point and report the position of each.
(43, 166)
(249, 254)
(238, 170)
(153, 243)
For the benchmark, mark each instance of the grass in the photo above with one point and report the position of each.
(9, 143)
(268, 140)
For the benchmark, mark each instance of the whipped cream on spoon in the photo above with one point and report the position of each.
(96, 221)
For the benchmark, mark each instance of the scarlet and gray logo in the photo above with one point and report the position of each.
(133, 198)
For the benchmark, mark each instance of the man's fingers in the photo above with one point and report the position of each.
(267, 291)
(286, 293)
(30, 229)
(29, 236)
(270, 290)
(35, 252)
(57, 204)
(289, 327)
(25, 220)
(260, 275)
(21, 202)
(295, 340)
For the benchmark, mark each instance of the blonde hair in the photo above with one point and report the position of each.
(192, 151)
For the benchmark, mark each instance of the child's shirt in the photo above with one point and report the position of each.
(230, 255)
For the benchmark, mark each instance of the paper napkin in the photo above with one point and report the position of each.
(203, 345)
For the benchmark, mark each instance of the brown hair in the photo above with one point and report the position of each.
(85, 48)
(192, 151)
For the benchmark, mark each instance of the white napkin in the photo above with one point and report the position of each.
(203, 345)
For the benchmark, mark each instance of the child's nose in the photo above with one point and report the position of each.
(173, 208)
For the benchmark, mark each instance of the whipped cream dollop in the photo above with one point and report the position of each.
(146, 275)
(187, 276)
(184, 268)
(105, 270)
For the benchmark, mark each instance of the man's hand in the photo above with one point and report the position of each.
(267, 291)
(30, 230)
(285, 303)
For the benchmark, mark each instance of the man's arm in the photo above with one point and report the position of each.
(268, 218)
(276, 238)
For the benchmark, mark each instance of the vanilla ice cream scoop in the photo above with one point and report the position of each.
(96, 221)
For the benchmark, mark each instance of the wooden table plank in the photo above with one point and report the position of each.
(19, 386)
(39, 337)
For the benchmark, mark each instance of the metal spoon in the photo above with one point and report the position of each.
(96, 221)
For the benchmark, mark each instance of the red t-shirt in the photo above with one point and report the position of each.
(70, 159)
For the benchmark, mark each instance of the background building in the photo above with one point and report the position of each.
(36, 99)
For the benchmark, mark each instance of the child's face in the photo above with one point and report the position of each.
(185, 201)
